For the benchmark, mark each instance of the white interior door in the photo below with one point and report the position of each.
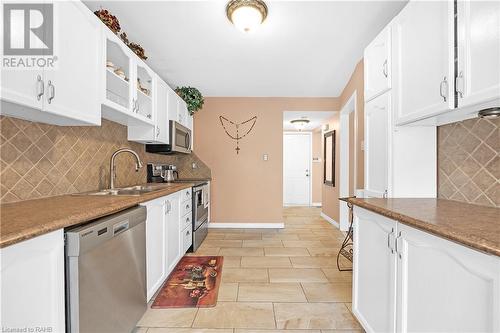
(297, 169)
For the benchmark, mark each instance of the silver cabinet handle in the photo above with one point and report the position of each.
(459, 84)
(384, 68)
(169, 207)
(389, 236)
(52, 91)
(443, 88)
(396, 244)
(40, 87)
(157, 131)
(135, 105)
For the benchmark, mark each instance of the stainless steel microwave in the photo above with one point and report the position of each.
(180, 141)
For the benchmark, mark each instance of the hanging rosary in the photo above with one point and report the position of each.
(237, 137)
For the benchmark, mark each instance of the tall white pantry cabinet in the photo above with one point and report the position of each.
(399, 161)
(406, 280)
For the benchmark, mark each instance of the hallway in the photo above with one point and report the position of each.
(273, 279)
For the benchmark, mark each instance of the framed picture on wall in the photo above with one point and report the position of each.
(329, 158)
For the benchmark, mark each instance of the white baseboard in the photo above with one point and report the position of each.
(330, 220)
(218, 225)
(317, 204)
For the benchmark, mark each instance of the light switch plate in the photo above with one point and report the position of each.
(265, 157)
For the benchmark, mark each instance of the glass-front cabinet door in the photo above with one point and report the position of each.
(144, 84)
(118, 61)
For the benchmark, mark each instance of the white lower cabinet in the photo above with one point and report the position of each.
(173, 234)
(407, 280)
(156, 269)
(445, 287)
(374, 272)
(32, 285)
(187, 238)
(164, 240)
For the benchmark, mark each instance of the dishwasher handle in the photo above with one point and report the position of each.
(120, 227)
(84, 238)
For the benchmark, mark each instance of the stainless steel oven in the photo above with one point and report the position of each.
(200, 214)
(180, 141)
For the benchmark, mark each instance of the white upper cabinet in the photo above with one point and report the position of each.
(129, 84)
(161, 119)
(377, 64)
(478, 77)
(159, 132)
(423, 60)
(68, 93)
(173, 105)
(377, 157)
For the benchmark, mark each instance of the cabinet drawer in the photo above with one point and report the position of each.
(186, 207)
(187, 238)
(186, 194)
(186, 221)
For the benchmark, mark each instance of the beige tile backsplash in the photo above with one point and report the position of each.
(39, 160)
(468, 161)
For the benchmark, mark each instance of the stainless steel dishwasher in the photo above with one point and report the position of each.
(106, 273)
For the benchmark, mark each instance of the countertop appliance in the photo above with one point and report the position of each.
(106, 273)
(200, 214)
(180, 141)
(161, 173)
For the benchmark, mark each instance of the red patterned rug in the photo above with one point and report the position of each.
(194, 282)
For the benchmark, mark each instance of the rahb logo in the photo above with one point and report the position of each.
(28, 35)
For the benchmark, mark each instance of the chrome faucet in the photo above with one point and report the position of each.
(112, 166)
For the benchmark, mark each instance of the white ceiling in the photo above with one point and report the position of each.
(303, 49)
(316, 119)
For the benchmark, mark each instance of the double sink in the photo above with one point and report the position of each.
(126, 191)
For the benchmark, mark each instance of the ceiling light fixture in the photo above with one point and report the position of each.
(299, 124)
(489, 113)
(246, 15)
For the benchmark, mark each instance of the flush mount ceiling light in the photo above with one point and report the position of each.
(299, 124)
(246, 15)
(489, 113)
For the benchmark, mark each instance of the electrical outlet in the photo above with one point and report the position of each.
(265, 157)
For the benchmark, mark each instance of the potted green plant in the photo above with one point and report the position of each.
(192, 97)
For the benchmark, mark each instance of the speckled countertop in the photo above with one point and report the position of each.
(475, 226)
(27, 219)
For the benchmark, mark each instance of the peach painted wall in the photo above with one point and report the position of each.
(356, 83)
(317, 167)
(331, 194)
(246, 189)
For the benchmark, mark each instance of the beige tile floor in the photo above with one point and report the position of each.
(273, 281)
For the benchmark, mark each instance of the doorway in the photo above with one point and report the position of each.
(297, 148)
(348, 163)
